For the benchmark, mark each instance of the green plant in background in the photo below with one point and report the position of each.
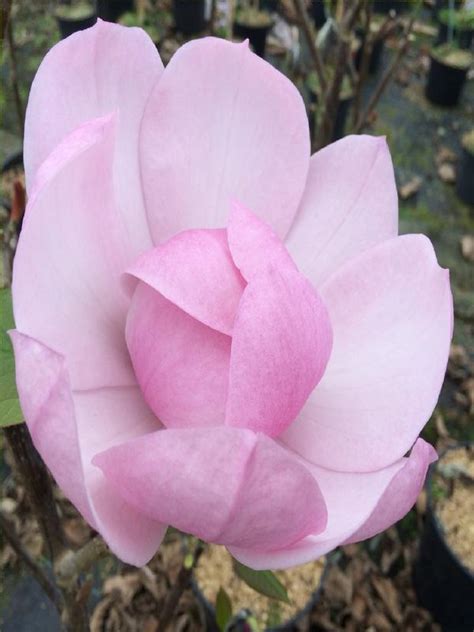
(76, 11)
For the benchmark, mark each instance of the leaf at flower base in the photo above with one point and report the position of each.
(223, 609)
(10, 411)
(264, 582)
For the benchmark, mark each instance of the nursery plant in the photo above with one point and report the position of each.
(213, 329)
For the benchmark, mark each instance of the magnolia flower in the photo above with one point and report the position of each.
(215, 330)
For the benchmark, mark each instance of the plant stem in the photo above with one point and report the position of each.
(303, 17)
(14, 76)
(384, 81)
(36, 570)
(68, 570)
(38, 487)
(182, 582)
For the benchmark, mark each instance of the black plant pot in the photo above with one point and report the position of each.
(445, 83)
(339, 127)
(376, 54)
(444, 586)
(68, 26)
(318, 13)
(257, 35)
(465, 179)
(463, 37)
(385, 6)
(112, 10)
(288, 626)
(189, 16)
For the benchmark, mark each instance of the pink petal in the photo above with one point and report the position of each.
(253, 244)
(72, 250)
(359, 506)
(280, 347)
(194, 270)
(349, 205)
(209, 136)
(181, 365)
(87, 75)
(391, 311)
(69, 428)
(223, 485)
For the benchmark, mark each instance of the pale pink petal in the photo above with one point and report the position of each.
(280, 347)
(69, 428)
(359, 506)
(224, 485)
(181, 365)
(391, 312)
(222, 124)
(195, 271)
(85, 76)
(349, 205)
(254, 245)
(71, 253)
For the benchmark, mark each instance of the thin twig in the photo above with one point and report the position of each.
(182, 582)
(304, 22)
(384, 81)
(212, 21)
(14, 77)
(36, 570)
(38, 487)
(5, 11)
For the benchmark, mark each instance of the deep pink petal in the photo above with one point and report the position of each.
(254, 245)
(100, 70)
(359, 506)
(224, 485)
(349, 205)
(71, 253)
(195, 271)
(181, 365)
(69, 428)
(222, 124)
(391, 312)
(280, 347)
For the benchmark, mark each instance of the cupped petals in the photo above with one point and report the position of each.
(359, 505)
(280, 347)
(224, 485)
(195, 271)
(391, 311)
(181, 365)
(71, 253)
(349, 205)
(209, 136)
(94, 72)
(69, 428)
(255, 247)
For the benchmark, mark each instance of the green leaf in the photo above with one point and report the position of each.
(264, 582)
(10, 411)
(223, 609)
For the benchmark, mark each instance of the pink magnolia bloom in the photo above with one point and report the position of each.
(215, 330)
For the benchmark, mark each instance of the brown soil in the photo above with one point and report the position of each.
(456, 510)
(215, 571)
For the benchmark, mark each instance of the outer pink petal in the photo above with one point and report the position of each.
(181, 365)
(222, 124)
(280, 347)
(69, 428)
(359, 506)
(254, 245)
(87, 75)
(72, 250)
(391, 311)
(349, 205)
(194, 270)
(224, 485)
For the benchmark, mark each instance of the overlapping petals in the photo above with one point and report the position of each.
(178, 360)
